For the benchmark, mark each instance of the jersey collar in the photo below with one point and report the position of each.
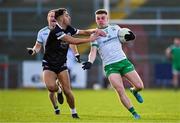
(59, 25)
(104, 27)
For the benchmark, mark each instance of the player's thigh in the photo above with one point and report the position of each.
(64, 80)
(49, 77)
(116, 81)
(134, 79)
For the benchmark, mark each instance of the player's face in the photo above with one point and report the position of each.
(102, 20)
(66, 18)
(51, 19)
(177, 41)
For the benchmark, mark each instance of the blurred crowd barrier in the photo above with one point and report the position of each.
(155, 23)
(28, 74)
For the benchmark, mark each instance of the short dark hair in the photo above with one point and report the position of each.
(59, 12)
(101, 11)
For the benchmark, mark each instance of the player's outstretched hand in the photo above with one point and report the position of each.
(129, 36)
(31, 51)
(94, 37)
(100, 32)
(78, 58)
(86, 65)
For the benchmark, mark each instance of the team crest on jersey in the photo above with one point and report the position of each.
(64, 44)
(113, 28)
(106, 31)
(109, 36)
(59, 34)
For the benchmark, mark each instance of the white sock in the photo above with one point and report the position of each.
(59, 90)
(73, 111)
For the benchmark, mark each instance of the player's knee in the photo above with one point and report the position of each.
(140, 86)
(52, 88)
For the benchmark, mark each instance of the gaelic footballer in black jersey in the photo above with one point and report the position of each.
(55, 55)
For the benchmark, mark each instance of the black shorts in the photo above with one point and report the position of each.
(55, 67)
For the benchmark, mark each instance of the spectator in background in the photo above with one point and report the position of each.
(173, 53)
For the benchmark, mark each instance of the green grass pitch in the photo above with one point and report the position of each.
(160, 106)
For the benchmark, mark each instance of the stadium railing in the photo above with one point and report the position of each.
(9, 32)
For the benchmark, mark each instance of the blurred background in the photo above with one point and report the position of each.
(155, 22)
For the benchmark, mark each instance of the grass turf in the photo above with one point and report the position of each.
(22, 105)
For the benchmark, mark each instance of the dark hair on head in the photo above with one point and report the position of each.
(101, 11)
(59, 12)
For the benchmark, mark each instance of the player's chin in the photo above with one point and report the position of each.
(102, 25)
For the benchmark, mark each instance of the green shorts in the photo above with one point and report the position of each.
(121, 67)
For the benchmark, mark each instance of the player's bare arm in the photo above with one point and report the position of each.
(35, 49)
(91, 31)
(74, 48)
(168, 52)
(91, 58)
(75, 52)
(92, 54)
(73, 40)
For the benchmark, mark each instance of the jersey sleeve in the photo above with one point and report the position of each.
(94, 44)
(39, 38)
(117, 27)
(73, 30)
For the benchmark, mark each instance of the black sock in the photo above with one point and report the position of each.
(56, 107)
(132, 110)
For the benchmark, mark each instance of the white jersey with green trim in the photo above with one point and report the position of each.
(109, 47)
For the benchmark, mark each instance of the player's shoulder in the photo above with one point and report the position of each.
(44, 29)
(172, 46)
(114, 25)
(57, 31)
(71, 28)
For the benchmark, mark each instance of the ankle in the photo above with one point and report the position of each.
(73, 111)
